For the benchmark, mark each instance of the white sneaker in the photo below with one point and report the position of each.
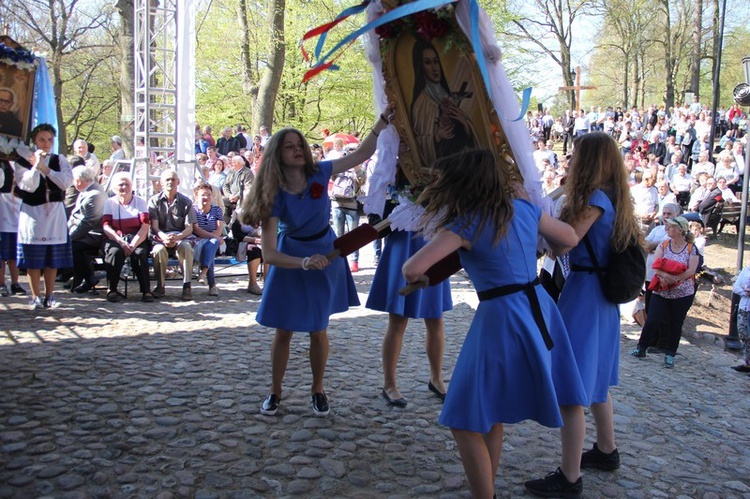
(4, 290)
(36, 303)
(51, 302)
(213, 291)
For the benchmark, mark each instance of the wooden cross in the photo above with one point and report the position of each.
(577, 87)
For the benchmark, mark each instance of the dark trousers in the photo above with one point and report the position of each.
(114, 259)
(83, 270)
(670, 312)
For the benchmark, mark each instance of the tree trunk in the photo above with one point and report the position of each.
(247, 68)
(668, 59)
(568, 79)
(716, 41)
(127, 74)
(268, 88)
(626, 80)
(695, 68)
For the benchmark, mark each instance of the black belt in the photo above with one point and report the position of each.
(536, 308)
(581, 268)
(311, 238)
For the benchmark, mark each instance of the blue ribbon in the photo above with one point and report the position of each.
(410, 9)
(392, 15)
(345, 13)
(476, 44)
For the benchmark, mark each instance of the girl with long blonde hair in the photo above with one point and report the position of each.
(599, 208)
(289, 200)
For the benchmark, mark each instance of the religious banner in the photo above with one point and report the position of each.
(442, 106)
(17, 70)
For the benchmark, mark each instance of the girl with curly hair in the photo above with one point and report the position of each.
(288, 200)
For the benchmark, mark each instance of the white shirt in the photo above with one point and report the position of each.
(46, 223)
(10, 206)
(681, 184)
(646, 199)
(699, 168)
(742, 288)
(729, 196)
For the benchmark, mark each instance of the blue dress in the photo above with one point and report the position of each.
(593, 322)
(303, 300)
(428, 303)
(504, 372)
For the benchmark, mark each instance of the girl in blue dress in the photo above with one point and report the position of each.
(598, 206)
(504, 372)
(428, 304)
(289, 201)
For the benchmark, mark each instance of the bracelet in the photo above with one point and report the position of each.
(305, 261)
(385, 120)
(374, 132)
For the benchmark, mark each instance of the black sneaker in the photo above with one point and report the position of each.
(270, 405)
(638, 352)
(555, 485)
(320, 405)
(595, 458)
(16, 289)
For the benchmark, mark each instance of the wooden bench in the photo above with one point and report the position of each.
(730, 215)
(721, 215)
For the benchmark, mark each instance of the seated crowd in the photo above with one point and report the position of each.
(666, 154)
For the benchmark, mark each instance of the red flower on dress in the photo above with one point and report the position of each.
(316, 190)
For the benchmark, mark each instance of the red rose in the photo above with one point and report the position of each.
(424, 18)
(316, 190)
(438, 28)
(390, 30)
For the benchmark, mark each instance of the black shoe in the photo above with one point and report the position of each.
(400, 402)
(638, 352)
(320, 405)
(434, 390)
(655, 350)
(742, 368)
(148, 297)
(595, 458)
(16, 289)
(270, 405)
(555, 485)
(187, 292)
(84, 288)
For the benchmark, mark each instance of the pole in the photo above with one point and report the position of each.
(733, 340)
(715, 102)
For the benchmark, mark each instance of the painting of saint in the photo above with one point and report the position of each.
(16, 90)
(441, 126)
(9, 122)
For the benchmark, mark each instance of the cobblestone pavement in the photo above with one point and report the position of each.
(129, 399)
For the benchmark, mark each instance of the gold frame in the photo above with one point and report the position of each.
(465, 86)
(21, 83)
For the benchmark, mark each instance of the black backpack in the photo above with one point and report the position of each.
(622, 280)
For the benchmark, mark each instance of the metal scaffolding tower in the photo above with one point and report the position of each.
(164, 103)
